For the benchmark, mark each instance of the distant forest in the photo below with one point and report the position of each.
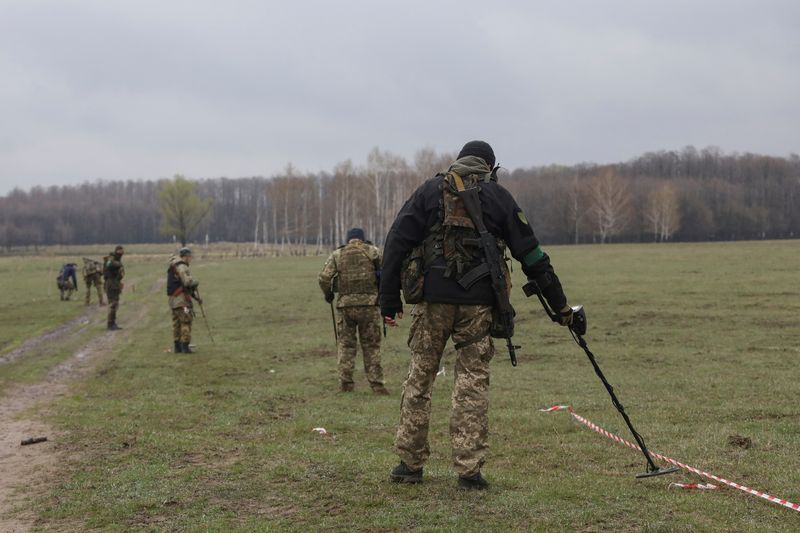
(686, 195)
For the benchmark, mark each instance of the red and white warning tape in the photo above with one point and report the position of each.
(594, 427)
(701, 486)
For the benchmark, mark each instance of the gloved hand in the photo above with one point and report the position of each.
(565, 316)
(194, 284)
(391, 311)
(329, 296)
(200, 301)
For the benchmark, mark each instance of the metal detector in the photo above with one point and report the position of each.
(578, 329)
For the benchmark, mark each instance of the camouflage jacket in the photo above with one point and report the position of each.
(113, 272)
(352, 271)
(182, 296)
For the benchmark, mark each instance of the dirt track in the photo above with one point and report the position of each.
(23, 408)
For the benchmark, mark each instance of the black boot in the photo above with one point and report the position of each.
(474, 482)
(113, 326)
(185, 348)
(403, 474)
(178, 347)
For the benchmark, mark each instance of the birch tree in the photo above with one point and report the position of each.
(610, 204)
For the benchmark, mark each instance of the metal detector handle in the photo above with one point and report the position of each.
(578, 326)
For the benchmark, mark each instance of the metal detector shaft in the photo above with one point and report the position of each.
(652, 469)
(651, 466)
(203, 313)
(335, 331)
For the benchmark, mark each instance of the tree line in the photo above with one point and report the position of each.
(685, 195)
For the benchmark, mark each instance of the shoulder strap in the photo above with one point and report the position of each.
(458, 181)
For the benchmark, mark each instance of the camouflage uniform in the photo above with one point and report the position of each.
(179, 289)
(351, 271)
(113, 272)
(432, 325)
(93, 276)
(434, 254)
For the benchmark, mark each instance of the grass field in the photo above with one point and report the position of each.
(699, 340)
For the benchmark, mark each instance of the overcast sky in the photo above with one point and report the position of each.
(99, 89)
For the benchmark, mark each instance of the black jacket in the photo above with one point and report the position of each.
(503, 219)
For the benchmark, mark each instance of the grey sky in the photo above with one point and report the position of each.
(145, 89)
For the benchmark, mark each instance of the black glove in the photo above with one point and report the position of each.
(329, 296)
(200, 301)
(391, 311)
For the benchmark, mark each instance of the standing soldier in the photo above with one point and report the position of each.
(67, 280)
(353, 270)
(448, 280)
(93, 275)
(180, 289)
(113, 272)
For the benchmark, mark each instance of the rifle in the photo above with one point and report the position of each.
(196, 295)
(503, 314)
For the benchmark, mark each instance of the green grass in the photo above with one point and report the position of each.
(700, 342)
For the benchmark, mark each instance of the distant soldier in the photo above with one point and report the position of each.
(113, 272)
(67, 280)
(180, 289)
(353, 271)
(93, 275)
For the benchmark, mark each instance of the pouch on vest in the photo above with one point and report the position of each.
(412, 276)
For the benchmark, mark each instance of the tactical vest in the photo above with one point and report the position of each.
(174, 283)
(454, 237)
(357, 271)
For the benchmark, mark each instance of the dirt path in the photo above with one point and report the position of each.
(60, 331)
(23, 408)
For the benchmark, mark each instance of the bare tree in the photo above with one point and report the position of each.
(610, 204)
(663, 212)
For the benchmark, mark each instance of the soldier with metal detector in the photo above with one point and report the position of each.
(445, 251)
(181, 288)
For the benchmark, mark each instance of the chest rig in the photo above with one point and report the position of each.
(454, 237)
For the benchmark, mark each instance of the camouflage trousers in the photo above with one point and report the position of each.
(95, 280)
(366, 321)
(182, 324)
(112, 296)
(431, 326)
(66, 288)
